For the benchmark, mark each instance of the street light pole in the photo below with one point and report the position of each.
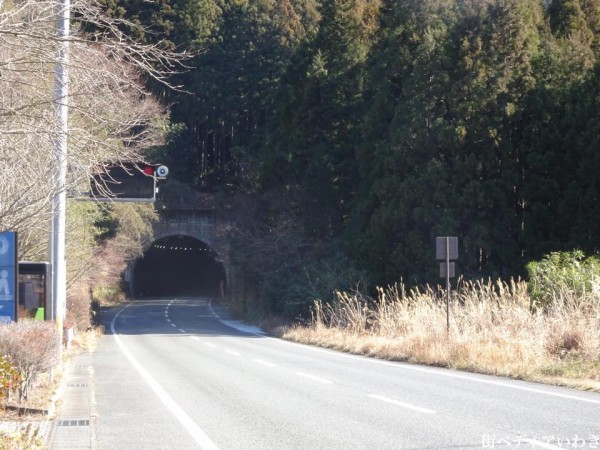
(59, 206)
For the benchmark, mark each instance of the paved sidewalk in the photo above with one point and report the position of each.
(72, 426)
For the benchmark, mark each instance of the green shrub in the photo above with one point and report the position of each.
(291, 292)
(564, 277)
(108, 294)
(10, 378)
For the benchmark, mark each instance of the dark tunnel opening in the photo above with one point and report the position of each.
(178, 266)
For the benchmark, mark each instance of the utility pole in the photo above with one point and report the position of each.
(59, 205)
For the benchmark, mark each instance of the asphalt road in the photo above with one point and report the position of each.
(172, 374)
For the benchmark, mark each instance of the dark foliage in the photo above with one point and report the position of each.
(381, 124)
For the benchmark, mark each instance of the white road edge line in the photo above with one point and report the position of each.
(407, 366)
(402, 404)
(540, 444)
(314, 378)
(194, 430)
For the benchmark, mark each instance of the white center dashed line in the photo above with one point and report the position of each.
(201, 438)
(181, 331)
(265, 363)
(208, 344)
(402, 404)
(314, 378)
(231, 352)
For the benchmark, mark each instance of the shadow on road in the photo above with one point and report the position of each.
(181, 316)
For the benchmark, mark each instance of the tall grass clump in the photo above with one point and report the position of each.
(546, 330)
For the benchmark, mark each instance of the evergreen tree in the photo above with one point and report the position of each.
(450, 163)
(390, 123)
(182, 24)
(315, 128)
(554, 154)
(233, 83)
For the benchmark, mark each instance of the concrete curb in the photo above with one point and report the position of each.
(70, 426)
(53, 407)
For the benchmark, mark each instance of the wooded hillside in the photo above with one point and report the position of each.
(378, 124)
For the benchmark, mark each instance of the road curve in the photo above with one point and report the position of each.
(171, 374)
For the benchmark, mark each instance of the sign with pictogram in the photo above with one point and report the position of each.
(9, 271)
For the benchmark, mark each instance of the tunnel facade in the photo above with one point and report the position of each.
(179, 266)
(187, 255)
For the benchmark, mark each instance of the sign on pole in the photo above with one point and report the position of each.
(9, 272)
(444, 271)
(127, 182)
(446, 248)
(441, 242)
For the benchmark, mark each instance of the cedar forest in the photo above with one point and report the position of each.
(355, 131)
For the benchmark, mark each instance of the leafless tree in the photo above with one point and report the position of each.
(32, 347)
(112, 116)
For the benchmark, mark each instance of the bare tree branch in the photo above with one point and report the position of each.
(112, 115)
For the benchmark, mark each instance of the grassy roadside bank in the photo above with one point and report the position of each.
(494, 329)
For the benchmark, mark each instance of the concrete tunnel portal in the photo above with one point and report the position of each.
(176, 266)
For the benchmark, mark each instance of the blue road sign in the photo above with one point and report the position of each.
(8, 276)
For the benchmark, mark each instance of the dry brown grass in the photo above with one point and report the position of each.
(23, 424)
(493, 329)
(85, 341)
(44, 386)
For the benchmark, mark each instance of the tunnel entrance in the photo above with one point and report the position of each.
(178, 266)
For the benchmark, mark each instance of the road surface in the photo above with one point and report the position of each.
(172, 374)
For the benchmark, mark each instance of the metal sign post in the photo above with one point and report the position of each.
(446, 248)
